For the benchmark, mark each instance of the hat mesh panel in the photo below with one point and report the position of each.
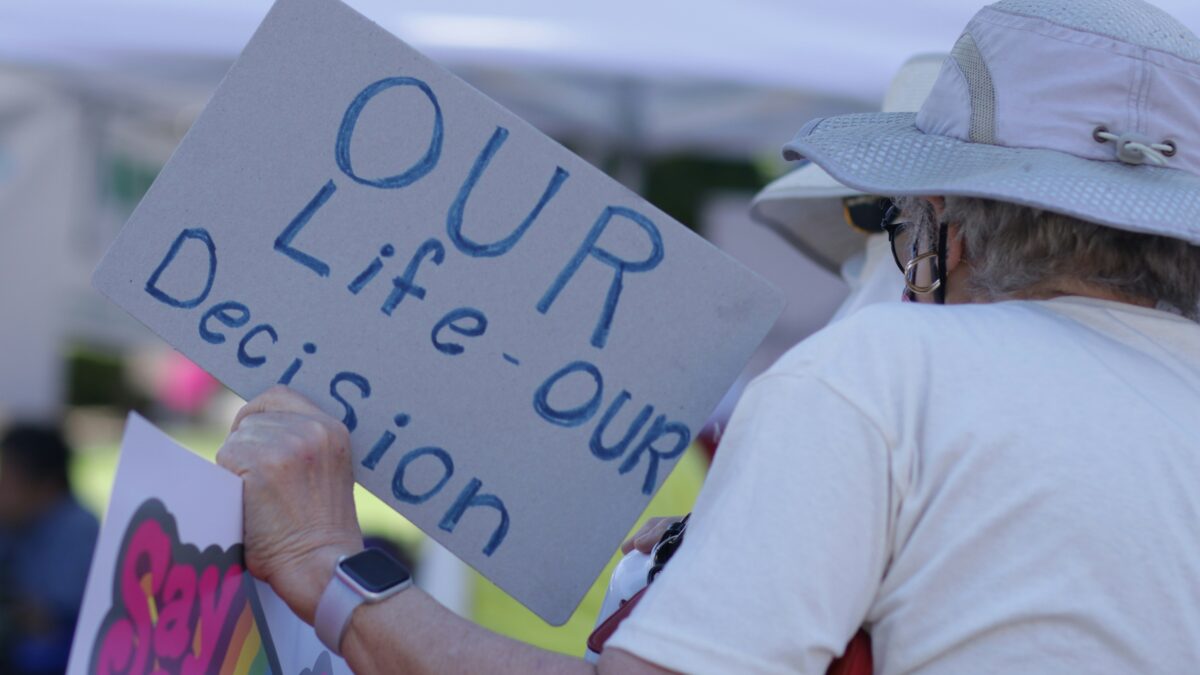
(979, 84)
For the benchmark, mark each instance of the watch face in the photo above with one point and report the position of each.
(375, 570)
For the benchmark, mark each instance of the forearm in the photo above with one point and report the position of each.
(412, 633)
(294, 461)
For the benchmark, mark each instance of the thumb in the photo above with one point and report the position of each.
(277, 399)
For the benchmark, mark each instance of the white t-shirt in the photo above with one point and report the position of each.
(1003, 488)
(872, 277)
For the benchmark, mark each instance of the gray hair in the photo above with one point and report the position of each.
(1019, 250)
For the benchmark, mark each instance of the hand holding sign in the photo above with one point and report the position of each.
(520, 348)
(299, 501)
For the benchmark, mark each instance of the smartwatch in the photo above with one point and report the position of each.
(368, 576)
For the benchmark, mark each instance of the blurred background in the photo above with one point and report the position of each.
(686, 103)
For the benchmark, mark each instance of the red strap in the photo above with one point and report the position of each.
(596, 640)
(856, 660)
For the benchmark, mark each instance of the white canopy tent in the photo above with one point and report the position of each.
(730, 78)
(659, 78)
(846, 49)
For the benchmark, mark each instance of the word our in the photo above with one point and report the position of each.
(647, 441)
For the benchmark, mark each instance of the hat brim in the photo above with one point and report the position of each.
(805, 208)
(886, 154)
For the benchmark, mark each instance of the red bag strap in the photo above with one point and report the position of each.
(856, 660)
(596, 640)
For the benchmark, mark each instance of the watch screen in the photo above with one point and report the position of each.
(375, 570)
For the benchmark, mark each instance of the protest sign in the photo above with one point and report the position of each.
(168, 590)
(520, 347)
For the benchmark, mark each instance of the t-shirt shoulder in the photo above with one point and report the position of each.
(909, 336)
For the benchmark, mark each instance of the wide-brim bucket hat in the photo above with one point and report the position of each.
(1086, 108)
(805, 206)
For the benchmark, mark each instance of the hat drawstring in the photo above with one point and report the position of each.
(1133, 151)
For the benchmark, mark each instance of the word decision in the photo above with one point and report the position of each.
(641, 445)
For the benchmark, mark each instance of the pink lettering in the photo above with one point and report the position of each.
(174, 607)
(217, 593)
(149, 554)
(116, 649)
(173, 633)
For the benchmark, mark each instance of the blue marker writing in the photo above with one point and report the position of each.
(406, 284)
(286, 378)
(346, 133)
(195, 234)
(231, 314)
(283, 243)
(466, 321)
(243, 355)
(659, 429)
(620, 266)
(385, 442)
(470, 498)
(349, 418)
(601, 451)
(454, 219)
(372, 269)
(569, 417)
(402, 493)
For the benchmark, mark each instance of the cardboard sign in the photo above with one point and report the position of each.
(168, 591)
(521, 347)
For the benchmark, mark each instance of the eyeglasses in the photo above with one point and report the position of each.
(865, 212)
(911, 251)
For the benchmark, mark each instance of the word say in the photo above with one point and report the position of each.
(174, 608)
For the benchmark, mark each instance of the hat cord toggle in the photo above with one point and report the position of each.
(1134, 151)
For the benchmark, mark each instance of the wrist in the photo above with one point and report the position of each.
(301, 584)
(405, 615)
(367, 578)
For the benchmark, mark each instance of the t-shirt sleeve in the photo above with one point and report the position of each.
(787, 543)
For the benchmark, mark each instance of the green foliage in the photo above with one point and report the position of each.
(680, 185)
(129, 179)
(496, 611)
(97, 378)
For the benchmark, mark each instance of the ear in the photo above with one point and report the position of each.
(954, 248)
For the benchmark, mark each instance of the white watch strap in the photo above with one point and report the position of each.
(334, 610)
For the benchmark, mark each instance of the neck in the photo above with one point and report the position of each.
(1080, 289)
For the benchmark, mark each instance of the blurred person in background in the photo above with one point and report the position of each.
(46, 543)
(997, 478)
(838, 228)
(834, 225)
